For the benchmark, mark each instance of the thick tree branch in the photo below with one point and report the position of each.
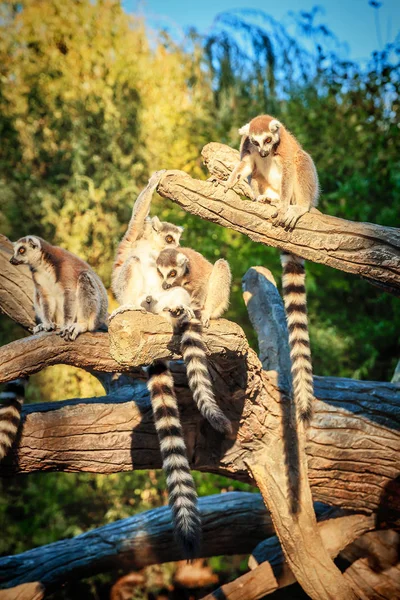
(137, 340)
(336, 534)
(353, 446)
(232, 522)
(365, 249)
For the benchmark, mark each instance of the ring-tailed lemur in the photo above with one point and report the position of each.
(69, 295)
(11, 401)
(134, 275)
(137, 285)
(208, 285)
(284, 175)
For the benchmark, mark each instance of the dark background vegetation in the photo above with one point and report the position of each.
(91, 103)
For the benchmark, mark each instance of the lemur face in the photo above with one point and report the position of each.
(263, 134)
(27, 251)
(171, 267)
(165, 234)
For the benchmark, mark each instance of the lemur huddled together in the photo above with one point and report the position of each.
(153, 273)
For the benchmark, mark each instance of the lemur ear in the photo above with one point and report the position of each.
(156, 223)
(274, 126)
(180, 229)
(181, 260)
(33, 242)
(245, 130)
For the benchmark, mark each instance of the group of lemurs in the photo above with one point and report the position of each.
(153, 273)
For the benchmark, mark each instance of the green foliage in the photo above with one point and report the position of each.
(91, 103)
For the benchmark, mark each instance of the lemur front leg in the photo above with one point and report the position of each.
(284, 216)
(242, 170)
(217, 299)
(43, 313)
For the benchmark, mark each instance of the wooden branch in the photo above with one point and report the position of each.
(232, 522)
(375, 565)
(365, 249)
(280, 470)
(267, 315)
(136, 339)
(26, 591)
(336, 534)
(353, 446)
(16, 288)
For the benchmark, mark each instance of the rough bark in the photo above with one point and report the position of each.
(374, 569)
(364, 249)
(336, 534)
(26, 591)
(150, 336)
(352, 443)
(232, 522)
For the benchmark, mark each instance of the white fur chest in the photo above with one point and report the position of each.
(145, 252)
(45, 278)
(270, 169)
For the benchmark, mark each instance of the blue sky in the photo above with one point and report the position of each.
(353, 21)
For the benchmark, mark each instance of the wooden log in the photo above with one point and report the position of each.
(353, 446)
(336, 534)
(364, 249)
(232, 522)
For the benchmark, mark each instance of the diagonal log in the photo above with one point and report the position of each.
(368, 250)
(269, 570)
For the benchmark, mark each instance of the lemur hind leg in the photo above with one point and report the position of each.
(217, 300)
(87, 307)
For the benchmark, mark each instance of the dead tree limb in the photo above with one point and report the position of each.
(336, 534)
(353, 446)
(232, 522)
(364, 249)
(374, 569)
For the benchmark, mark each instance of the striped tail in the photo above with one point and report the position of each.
(12, 399)
(194, 355)
(181, 488)
(295, 299)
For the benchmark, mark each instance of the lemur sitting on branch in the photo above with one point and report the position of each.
(137, 286)
(69, 296)
(281, 173)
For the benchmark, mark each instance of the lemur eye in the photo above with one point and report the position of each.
(172, 274)
(21, 251)
(268, 140)
(169, 239)
(255, 143)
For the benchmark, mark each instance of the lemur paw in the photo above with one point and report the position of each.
(289, 218)
(44, 327)
(71, 332)
(178, 312)
(126, 308)
(205, 320)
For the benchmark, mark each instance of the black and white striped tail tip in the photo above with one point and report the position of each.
(295, 299)
(11, 401)
(195, 357)
(181, 488)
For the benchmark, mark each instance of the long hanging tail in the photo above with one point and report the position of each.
(12, 399)
(181, 488)
(194, 355)
(295, 299)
